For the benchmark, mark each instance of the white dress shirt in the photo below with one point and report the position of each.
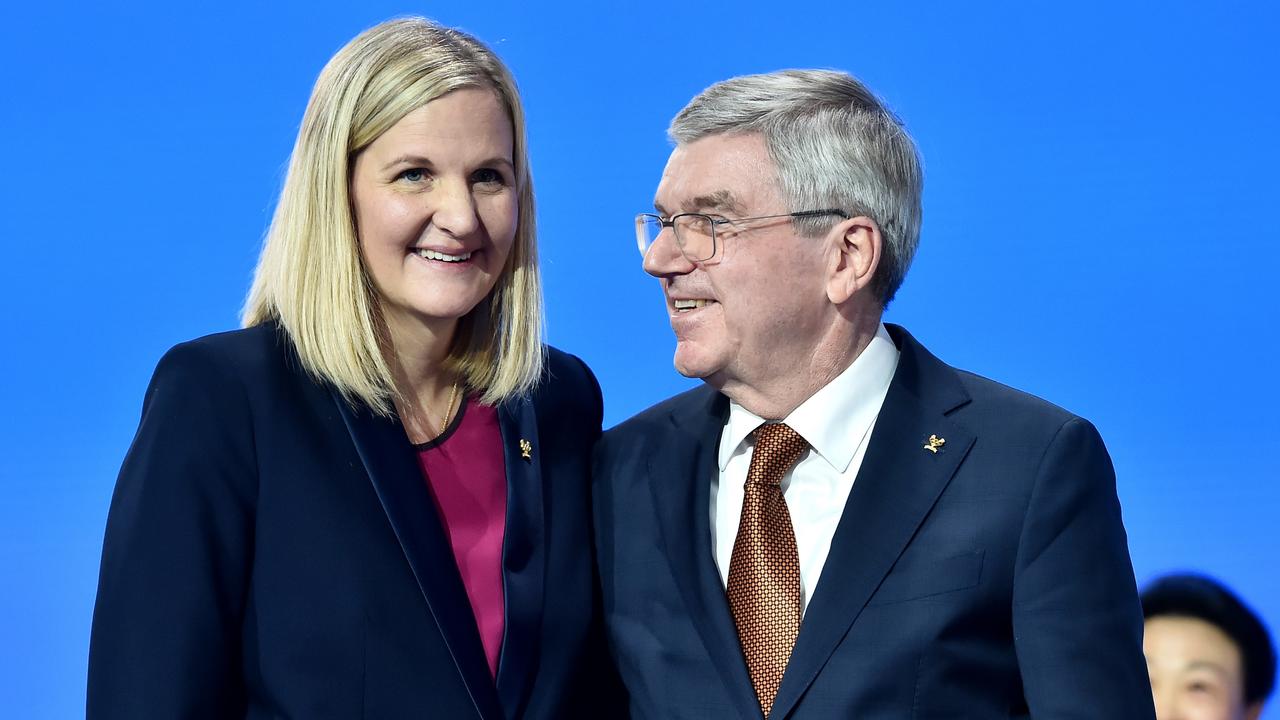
(836, 421)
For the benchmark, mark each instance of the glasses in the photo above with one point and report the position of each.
(695, 233)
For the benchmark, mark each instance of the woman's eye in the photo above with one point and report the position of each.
(1200, 686)
(413, 175)
(488, 176)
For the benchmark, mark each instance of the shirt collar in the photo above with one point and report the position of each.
(835, 419)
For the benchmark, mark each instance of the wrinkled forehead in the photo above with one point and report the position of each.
(727, 174)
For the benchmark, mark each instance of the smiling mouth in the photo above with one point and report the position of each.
(683, 306)
(442, 257)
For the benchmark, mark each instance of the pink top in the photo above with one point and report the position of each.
(466, 473)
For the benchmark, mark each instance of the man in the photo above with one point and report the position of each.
(838, 525)
(1210, 657)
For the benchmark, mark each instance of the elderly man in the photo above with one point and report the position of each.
(837, 524)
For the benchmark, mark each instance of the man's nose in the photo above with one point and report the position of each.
(664, 258)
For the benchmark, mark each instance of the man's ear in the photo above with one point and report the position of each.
(854, 251)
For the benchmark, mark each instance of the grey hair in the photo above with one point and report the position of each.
(835, 145)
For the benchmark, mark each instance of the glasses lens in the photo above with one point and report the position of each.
(696, 236)
(647, 228)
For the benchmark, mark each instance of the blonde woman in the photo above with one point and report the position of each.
(372, 500)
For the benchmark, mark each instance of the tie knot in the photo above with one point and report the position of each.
(778, 447)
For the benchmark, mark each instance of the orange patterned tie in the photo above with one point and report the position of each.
(764, 574)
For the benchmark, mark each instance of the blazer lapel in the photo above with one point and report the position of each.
(680, 471)
(523, 554)
(388, 459)
(897, 485)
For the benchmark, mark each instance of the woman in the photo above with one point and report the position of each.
(371, 501)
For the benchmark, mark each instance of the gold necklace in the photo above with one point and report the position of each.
(448, 411)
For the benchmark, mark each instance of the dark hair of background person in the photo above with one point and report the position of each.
(1202, 598)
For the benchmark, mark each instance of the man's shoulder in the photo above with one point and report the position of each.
(973, 392)
(982, 404)
(996, 397)
(661, 416)
(654, 428)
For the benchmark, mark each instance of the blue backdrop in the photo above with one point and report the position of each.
(1099, 230)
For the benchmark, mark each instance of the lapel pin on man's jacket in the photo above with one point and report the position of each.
(933, 443)
(526, 449)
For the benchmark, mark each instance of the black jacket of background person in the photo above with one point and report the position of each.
(272, 552)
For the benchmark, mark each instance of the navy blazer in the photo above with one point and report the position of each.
(988, 579)
(274, 552)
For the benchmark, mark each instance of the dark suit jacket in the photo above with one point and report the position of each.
(272, 552)
(990, 579)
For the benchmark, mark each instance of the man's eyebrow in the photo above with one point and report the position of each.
(718, 200)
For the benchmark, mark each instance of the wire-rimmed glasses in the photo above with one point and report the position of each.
(695, 233)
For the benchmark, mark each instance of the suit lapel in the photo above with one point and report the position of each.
(681, 467)
(896, 487)
(523, 554)
(389, 460)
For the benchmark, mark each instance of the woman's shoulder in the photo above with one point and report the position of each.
(264, 344)
(567, 379)
(246, 344)
(561, 364)
(565, 371)
(262, 351)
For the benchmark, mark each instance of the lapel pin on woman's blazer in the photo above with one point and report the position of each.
(526, 449)
(933, 443)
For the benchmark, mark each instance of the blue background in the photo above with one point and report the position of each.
(1099, 230)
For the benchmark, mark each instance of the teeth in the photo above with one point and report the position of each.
(683, 305)
(434, 255)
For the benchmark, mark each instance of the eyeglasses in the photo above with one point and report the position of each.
(695, 233)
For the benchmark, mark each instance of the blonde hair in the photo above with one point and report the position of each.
(311, 276)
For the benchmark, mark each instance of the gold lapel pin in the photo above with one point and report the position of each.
(526, 449)
(934, 443)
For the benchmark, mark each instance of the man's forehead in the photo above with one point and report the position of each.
(716, 173)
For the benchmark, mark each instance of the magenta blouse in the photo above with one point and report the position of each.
(466, 473)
